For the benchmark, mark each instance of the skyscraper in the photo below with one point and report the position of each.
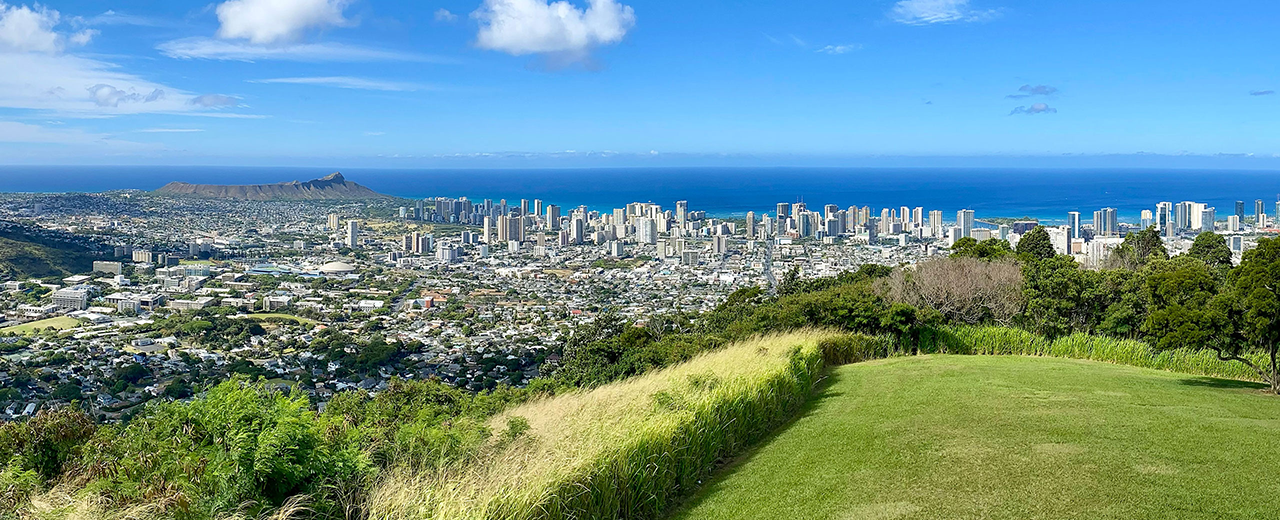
(1240, 209)
(964, 221)
(488, 229)
(553, 217)
(1147, 220)
(1164, 219)
(751, 224)
(333, 222)
(935, 223)
(1259, 212)
(1073, 224)
(353, 233)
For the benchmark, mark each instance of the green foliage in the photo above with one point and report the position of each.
(1211, 248)
(1256, 286)
(1036, 245)
(989, 249)
(1139, 249)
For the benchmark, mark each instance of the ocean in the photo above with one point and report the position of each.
(1046, 194)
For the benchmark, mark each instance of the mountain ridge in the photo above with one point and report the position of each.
(330, 187)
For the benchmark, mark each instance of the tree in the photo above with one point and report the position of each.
(1211, 248)
(1257, 287)
(1036, 245)
(1055, 291)
(989, 249)
(1139, 249)
(1180, 292)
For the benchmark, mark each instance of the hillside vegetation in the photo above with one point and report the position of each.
(627, 450)
(26, 254)
(1011, 437)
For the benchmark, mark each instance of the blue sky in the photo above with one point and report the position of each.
(617, 82)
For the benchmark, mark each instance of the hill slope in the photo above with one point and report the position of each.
(1011, 437)
(27, 253)
(329, 187)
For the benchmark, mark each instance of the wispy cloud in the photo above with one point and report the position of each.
(374, 134)
(839, 49)
(170, 130)
(926, 12)
(1261, 92)
(443, 15)
(1035, 108)
(213, 49)
(1027, 91)
(345, 82)
(14, 132)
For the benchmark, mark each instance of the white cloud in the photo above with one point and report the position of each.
(839, 49)
(924, 12)
(83, 87)
(521, 27)
(443, 15)
(211, 49)
(274, 21)
(345, 82)
(26, 29)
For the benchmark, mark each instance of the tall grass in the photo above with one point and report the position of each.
(1010, 341)
(627, 450)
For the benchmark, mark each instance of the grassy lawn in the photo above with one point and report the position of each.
(1011, 437)
(60, 323)
(268, 315)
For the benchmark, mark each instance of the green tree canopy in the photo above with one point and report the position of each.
(1139, 249)
(1257, 287)
(989, 249)
(1211, 248)
(1036, 245)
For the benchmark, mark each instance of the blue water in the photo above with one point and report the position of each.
(1042, 193)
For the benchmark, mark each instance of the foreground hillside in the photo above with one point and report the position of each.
(1011, 437)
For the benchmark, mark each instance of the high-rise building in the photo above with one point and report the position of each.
(553, 217)
(1164, 219)
(964, 221)
(917, 217)
(1073, 224)
(1105, 223)
(537, 206)
(935, 223)
(577, 230)
(646, 230)
(1240, 209)
(353, 233)
(333, 222)
(488, 230)
(751, 224)
(1207, 218)
(1259, 213)
(1147, 220)
(1233, 223)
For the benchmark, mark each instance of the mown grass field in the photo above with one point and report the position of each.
(1010, 437)
(60, 323)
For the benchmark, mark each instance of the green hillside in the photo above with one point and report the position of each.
(27, 254)
(1011, 437)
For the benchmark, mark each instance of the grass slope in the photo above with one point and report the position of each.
(25, 255)
(1011, 437)
(630, 449)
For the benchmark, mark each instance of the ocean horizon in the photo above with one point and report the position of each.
(1045, 194)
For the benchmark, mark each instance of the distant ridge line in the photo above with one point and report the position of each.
(329, 187)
